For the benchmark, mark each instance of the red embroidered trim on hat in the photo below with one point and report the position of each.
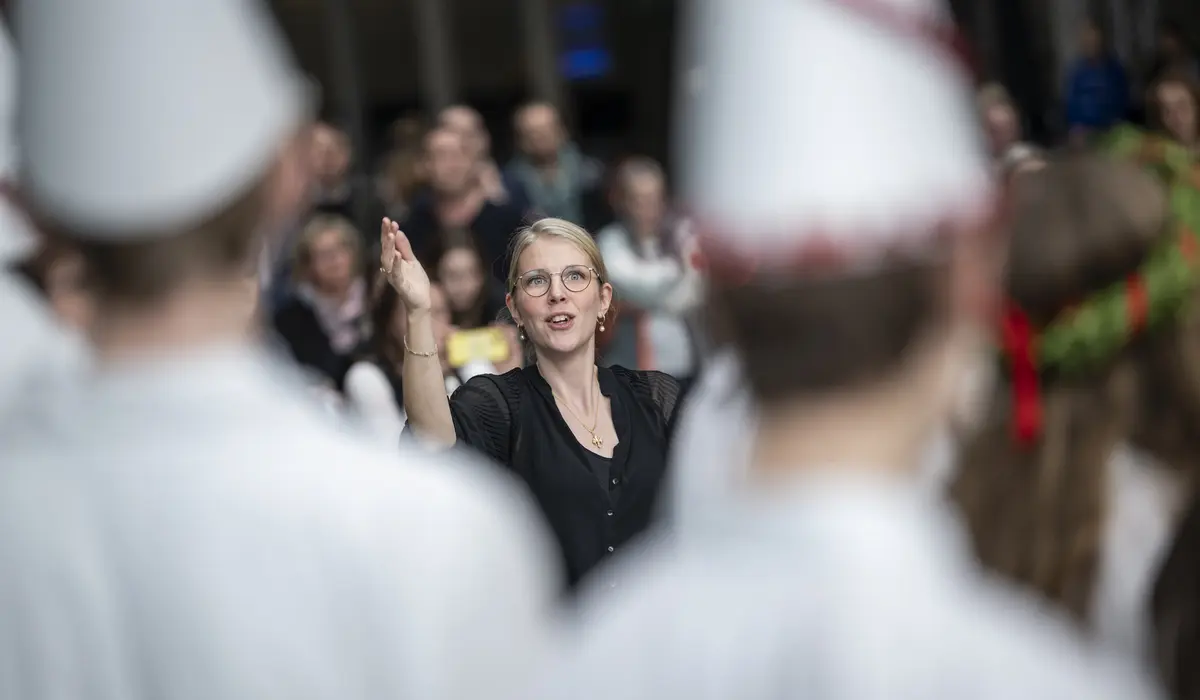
(815, 248)
(945, 36)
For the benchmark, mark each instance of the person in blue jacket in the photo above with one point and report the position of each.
(1097, 90)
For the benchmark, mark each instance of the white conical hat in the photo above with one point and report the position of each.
(844, 124)
(141, 116)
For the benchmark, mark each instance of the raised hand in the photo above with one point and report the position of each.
(398, 263)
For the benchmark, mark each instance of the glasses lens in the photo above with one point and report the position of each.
(576, 278)
(535, 283)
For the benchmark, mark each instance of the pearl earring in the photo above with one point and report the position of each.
(520, 332)
(601, 319)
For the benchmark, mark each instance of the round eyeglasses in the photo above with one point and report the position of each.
(575, 278)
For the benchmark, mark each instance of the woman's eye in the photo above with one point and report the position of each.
(537, 280)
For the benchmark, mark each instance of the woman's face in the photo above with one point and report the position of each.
(1178, 110)
(556, 319)
(645, 204)
(331, 262)
(461, 275)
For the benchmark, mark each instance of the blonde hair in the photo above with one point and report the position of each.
(551, 228)
(302, 254)
(554, 228)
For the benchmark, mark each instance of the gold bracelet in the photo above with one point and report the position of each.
(410, 351)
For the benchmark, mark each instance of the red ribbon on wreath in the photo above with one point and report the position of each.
(1137, 303)
(1017, 336)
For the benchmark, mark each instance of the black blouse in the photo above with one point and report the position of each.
(593, 505)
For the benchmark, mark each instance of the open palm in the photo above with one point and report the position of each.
(404, 272)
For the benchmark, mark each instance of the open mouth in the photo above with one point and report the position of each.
(560, 322)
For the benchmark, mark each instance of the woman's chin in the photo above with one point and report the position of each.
(564, 343)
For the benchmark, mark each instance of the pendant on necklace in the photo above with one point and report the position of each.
(596, 441)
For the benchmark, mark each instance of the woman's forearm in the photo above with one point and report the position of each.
(425, 399)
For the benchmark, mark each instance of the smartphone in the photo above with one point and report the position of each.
(477, 345)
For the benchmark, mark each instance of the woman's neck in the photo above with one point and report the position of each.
(571, 377)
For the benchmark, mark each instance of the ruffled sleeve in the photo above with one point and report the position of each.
(482, 410)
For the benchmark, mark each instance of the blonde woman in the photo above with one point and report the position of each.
(328, 317)
(589, 441)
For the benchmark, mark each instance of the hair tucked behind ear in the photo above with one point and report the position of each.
(1036, 514)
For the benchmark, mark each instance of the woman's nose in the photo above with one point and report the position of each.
(557, 291)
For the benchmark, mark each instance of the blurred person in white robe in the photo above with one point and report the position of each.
(854, 278)
(1074, 484)
(183, 523)
(37, 349)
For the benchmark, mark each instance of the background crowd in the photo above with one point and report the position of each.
(546, 310)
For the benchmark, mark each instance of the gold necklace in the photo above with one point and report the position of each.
(597, 441)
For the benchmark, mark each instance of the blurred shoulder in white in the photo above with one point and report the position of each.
(741, 610)
(278, 538)
(370, 399)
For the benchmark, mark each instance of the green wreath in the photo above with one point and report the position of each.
(1088, 335)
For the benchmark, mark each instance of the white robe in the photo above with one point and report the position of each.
(36, 350)
(195, 529)
(841, 588)
(1143, 508)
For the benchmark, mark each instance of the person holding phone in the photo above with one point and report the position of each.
(589, 441)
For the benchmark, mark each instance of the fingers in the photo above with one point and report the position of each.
(402, 244)
(387, 246)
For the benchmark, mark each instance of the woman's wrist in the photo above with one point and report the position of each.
(418, 338)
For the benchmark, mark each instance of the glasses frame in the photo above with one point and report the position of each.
(558, 274)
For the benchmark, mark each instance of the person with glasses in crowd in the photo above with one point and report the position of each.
(590, 442)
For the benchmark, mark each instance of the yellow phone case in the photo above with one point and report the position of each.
(477, 345)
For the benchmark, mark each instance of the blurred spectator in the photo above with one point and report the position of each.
(649, 264)
(374, 386)
(456, 202)
(559, 180)
(1173, 56)
(1078, 501)
(1171, 108)
(475, 297)
(497, 186)
(1097, 90)
(331, 170)
(327, 317)
(402, 175)
(1002, 123)
(407, 133)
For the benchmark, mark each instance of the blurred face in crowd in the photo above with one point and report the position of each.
(1169, 44)
(330, 154)
(539, 132)
(460, 273)
(447, 162)
(1177, 108)
(468, 124)
(558, 299)
(331, 260)
(1091, 41)
(1003, 128)
(645, 203)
